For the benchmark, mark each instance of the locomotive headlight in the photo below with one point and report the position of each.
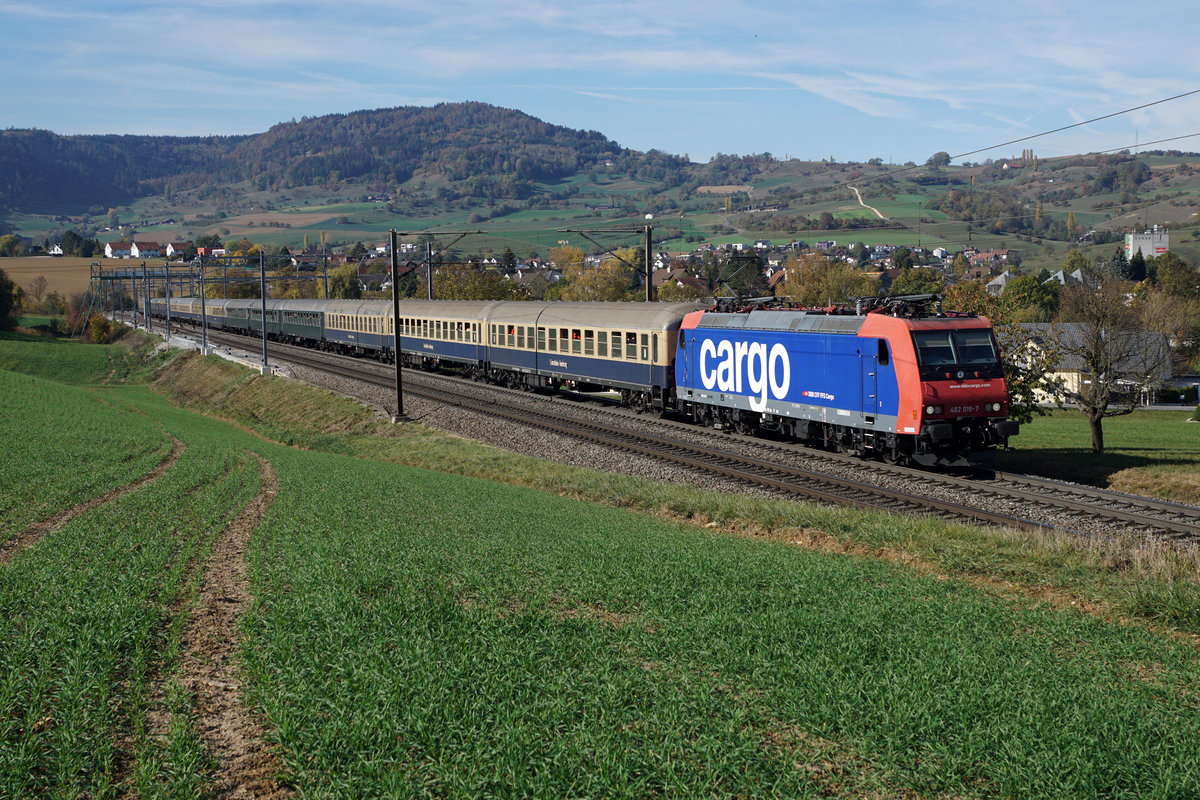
(995, 406)
(933, 409)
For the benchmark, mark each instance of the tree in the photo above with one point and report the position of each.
(10, 245)
(918, 280)
(815, 281)
(508, 261)
(1113, 343)
(343, 283)
(472, 282)
(1137, 267)
(902, 258)
(1176, 278)
(939, 159)
(37, 289)
(607, 281)
(7, 301)
(1026, 299)
(565, 256)
(1076, 261)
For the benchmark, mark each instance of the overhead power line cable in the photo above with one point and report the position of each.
(1078, 124)
(868, 178)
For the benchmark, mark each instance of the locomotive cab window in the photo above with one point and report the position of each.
(975, 347)
(972, 349)
(883, 353)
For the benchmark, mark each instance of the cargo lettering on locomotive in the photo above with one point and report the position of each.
(736, 366)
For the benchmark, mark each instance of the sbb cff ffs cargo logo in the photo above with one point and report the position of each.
(746, 368)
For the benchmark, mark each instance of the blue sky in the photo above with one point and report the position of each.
(852, 80)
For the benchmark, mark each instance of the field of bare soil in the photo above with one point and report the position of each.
(64, 275)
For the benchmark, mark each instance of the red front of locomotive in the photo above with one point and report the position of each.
(953, 397)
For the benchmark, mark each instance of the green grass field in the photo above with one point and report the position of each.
(431, 631)
(1147, 452)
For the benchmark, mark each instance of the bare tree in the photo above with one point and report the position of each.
(37, 289)
(1113, 344)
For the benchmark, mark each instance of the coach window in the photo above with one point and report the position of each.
(631, 346)
(553, 340)
(529, 336)
(645, 347)
(589, 343)
(521, 336)
(654, 348)
(602, 344)
(541, 338)
(616, 344)
(576, 341)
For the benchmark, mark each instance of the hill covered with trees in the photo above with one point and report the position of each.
(503, 150)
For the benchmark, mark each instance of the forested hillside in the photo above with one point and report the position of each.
(504, 150)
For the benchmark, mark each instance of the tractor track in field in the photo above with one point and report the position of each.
(12, 547)
(233, 736)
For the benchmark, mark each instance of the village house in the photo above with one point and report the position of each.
(1141, 348)
(146, 250)
(118, 250)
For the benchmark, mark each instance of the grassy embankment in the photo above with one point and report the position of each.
(435, 631)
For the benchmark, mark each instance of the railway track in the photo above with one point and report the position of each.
(996, 498)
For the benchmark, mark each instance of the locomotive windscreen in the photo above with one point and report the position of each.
(974, 349)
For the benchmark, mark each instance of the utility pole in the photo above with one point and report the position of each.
(262, 287)
(429, 269)
(203, 313)
(649, 269)
(146, 305)
(394, 236)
